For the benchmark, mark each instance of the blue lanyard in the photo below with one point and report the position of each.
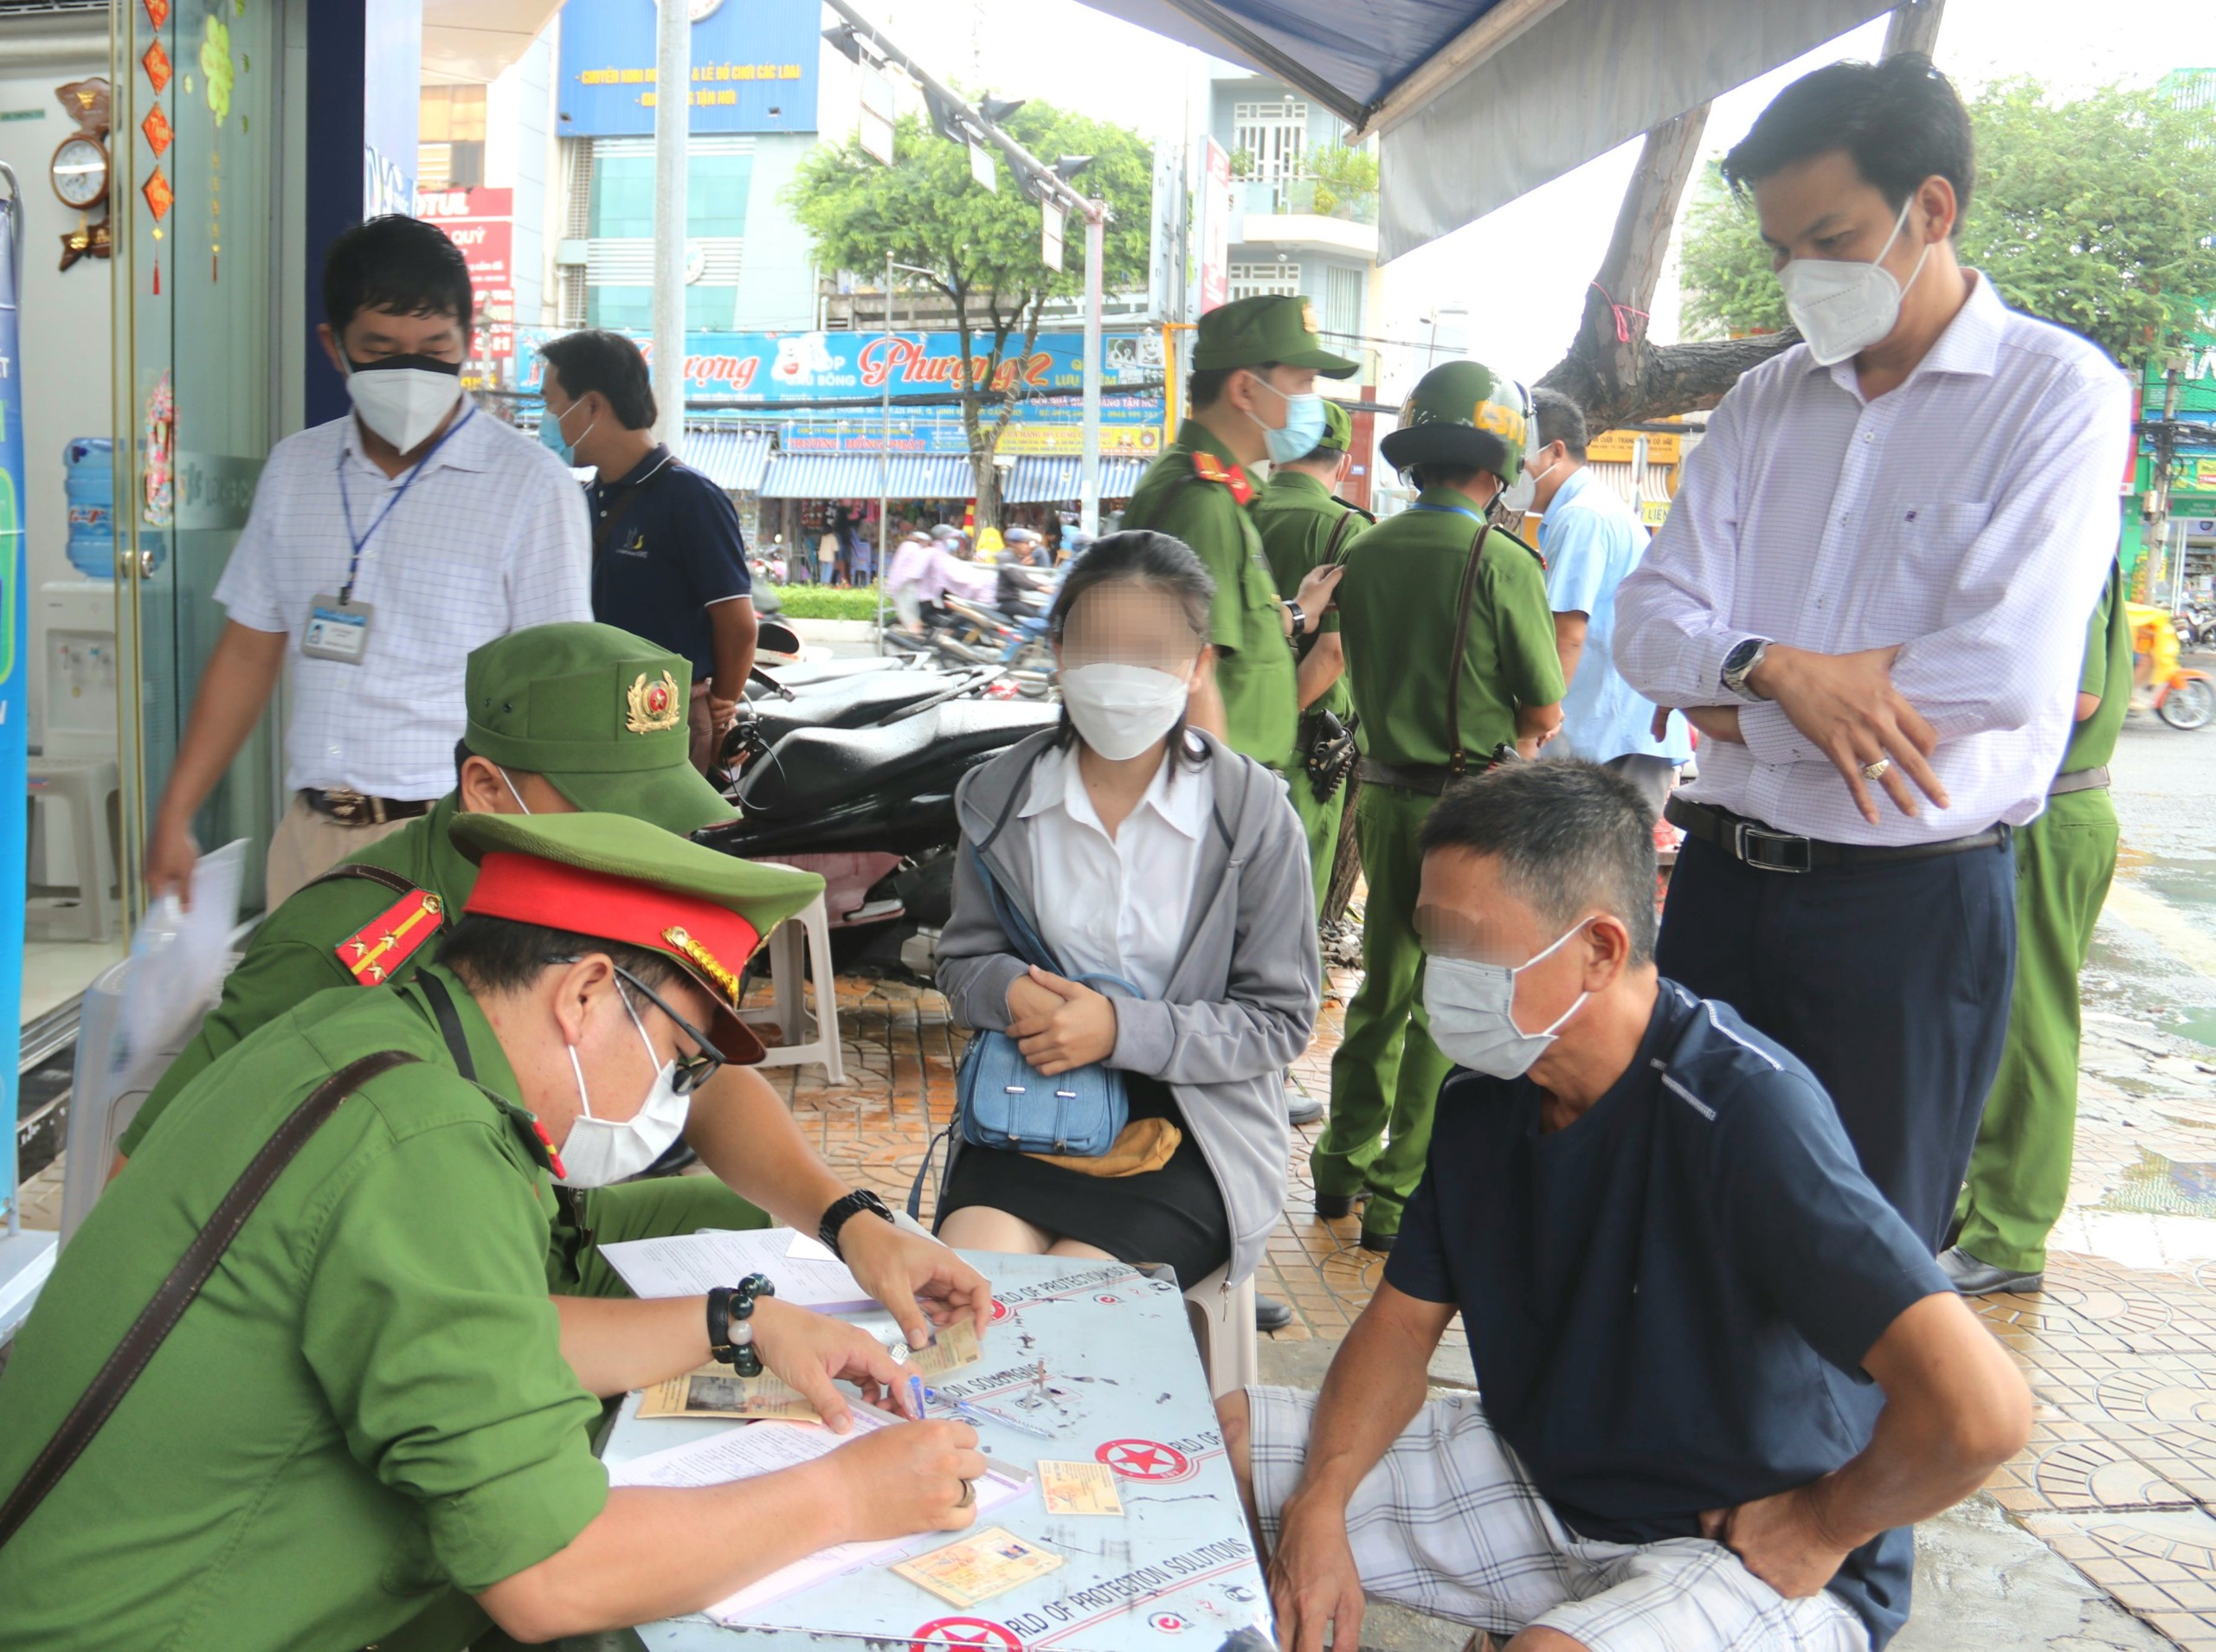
(346, 504)
(1456, 509)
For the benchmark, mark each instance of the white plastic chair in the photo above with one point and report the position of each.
(787, 976)
(1222, 1317)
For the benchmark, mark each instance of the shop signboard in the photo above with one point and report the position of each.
(481, 222)
(754, 67)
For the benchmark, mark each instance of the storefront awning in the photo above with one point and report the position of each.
(733, 457)
(1039, 480)
(857, 476)
(1480, 101)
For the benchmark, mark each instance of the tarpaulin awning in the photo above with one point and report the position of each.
(857, 475)
(1480, 101)
(1041, 480)
(733, 457)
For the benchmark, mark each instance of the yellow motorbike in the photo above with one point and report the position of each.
(2181, 697)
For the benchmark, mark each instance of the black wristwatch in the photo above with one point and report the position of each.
(834, 1218)
(1738, 665)
(1299, 616)
(730, 1329)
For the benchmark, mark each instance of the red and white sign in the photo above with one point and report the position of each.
(482, 223)
(1146, 1460)
(944, 1632)
(1216, 229)
(1169, 1623)
(1000, 1311)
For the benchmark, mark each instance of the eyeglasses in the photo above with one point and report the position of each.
(692, 1071)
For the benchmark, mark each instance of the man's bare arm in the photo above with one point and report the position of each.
(1323, 668)
(1569, 643)
(732, 626)
(1536, 725)
(234, 691)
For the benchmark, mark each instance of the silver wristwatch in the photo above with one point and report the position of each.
(1745, 655)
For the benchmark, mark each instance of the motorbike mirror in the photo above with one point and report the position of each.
(775, 637)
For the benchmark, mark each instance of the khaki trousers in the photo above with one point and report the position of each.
(306, 845)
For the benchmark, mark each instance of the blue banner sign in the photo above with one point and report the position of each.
(754, 67)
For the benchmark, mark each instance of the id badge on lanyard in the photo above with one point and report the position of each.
(339, 627)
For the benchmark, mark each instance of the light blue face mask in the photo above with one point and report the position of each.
(551, 439)
(1303, 428)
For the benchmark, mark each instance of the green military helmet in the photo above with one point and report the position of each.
(1465, 416)
(601, 714)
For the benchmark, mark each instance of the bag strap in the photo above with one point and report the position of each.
(1457, 760)
(159, 1317)
(1333, 546)
(390, 880)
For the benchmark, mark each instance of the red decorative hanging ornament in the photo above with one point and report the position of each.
(159, 196)
(156, 62)
(160, 132)
(157, 12)
(157, 275)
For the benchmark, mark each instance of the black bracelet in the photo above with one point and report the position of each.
(730, 1334)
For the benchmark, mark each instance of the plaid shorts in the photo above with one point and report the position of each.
(1449, 1524)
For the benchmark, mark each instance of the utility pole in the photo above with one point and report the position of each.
(1088, 486)
(885, 455)
(672, 124)
(2158, 519)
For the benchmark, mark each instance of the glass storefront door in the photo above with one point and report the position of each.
(199, 152)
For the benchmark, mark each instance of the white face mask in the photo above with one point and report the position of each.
(1842, 307)
(402, 398)
(1517, 497)
(600, 1151)
(1471, 1007)
(1120, 711)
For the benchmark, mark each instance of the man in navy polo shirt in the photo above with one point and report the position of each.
(1721, 1377)
(668, 559)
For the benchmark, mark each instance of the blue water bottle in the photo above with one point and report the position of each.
(88, 464)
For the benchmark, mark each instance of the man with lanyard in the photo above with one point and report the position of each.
(562, 719)
(382, 547)
(1450, 652)
(299, 1383)
(2018, 1176)
(668, 557)
(1869, 598)
(1306, 526)
(1590, 540)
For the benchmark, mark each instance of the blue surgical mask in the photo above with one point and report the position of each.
(1302, 429)
(551, 439)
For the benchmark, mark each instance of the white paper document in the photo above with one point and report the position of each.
(691, 1264)
(764, 1448)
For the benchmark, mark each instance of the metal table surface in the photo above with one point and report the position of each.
(1175, 1572)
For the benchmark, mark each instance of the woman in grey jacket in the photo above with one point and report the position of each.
(1139, 849)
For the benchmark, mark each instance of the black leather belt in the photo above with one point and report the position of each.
(354, 809)
(1769, 850)
(1430, 778)
(2080, 780)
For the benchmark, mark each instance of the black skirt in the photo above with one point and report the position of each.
(1173, 1215)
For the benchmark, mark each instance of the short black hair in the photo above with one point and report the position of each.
(462, 753)
(1560, 420)
(607, 362)
(1204, 386)
(1899, 119)
(1454, 476)
(501, 955)
(1569, 836)
(396, 263)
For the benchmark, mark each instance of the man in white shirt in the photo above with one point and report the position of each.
(382, 549)
(1870, 598)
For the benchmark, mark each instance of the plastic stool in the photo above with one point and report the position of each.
(1223, 1324)
(788, 976)
(84, 784)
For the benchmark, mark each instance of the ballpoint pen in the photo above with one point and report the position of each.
(982, 1413)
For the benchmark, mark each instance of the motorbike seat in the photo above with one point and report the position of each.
(812, 769)
(848, 702)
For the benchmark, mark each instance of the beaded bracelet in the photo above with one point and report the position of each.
(730, 1331)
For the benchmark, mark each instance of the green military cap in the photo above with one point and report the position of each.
(1338, 429)
(1272, 327)
(616, 877)
(601, 713)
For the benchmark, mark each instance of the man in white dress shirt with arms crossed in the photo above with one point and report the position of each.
(382, 547)
(1869, 597)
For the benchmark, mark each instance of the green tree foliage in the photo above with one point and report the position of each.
(928, 211)
(2094, 213)
(1346, 178)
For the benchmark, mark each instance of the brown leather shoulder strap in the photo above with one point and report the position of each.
(390, 880)
(1456, 759)
(106, 1391)
(1340, 529)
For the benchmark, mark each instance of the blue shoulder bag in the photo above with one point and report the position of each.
(1002, 1101)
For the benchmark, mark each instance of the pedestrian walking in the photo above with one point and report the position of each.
(1871, 595)
(2018, 1176)
(1591, 540)
(904, 580)
(669, 558)
(381, 549)
(1450, 652)
(1306, 526)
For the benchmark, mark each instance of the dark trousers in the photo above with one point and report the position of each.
(1891, 982)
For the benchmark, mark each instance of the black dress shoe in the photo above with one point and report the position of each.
(1270, 1314)
(1332, 1206)
(1975, 1278)
(1381, 1243)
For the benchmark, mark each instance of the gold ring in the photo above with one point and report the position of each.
(1877, 770)
(968, 1494)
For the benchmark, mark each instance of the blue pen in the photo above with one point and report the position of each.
(916, 1396)
(985, 1414)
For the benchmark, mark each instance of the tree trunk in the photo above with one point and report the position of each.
(1611, 371)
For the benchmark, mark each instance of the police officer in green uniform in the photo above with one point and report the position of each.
(2019, 1177)
(561, 718)
(1450, 653)
(371, 1423)
(1306, 526)
(1252, 397)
